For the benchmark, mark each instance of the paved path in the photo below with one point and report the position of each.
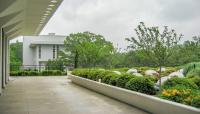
(57, 95)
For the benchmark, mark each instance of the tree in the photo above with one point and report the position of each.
(86, 49)
(16, 55)
(57, 64)
(72, 46)
(154, 44)
(188, 52)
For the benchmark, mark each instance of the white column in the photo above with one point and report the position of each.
(1, 60)
(4, 61)
(8, 61)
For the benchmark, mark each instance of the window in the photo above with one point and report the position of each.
(54, 49)
(39, 51)
(57, 51)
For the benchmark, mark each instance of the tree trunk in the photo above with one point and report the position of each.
(159, 76)
(76, 60)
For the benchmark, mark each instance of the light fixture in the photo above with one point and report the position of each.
(51, 5)
(49, 9)
(42, 19)
(53, 1)
(46, 14)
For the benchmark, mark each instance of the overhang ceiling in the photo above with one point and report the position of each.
(26, 17)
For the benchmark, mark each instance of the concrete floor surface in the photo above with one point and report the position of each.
(57, 95)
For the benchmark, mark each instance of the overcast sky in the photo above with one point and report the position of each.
(116, 19)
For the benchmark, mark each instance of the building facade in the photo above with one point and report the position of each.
(21, 18)
(37, 50)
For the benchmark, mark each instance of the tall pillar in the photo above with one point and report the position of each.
(7, 60)
(1, 60)
(4, 60)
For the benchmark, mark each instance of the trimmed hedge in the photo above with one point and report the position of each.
(123, 79)
(113, 80)
(81, 72)
(107, 77)
(36, 73)
(141, 84)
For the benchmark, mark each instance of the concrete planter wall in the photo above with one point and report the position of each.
(146, 102)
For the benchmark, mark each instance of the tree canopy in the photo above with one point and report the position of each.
(155, 45)
(16, 53)
(87, 49)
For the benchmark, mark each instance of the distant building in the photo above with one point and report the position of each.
(37, 50)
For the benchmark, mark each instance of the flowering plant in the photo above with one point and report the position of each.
(182, 95)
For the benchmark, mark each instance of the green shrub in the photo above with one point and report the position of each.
(101, 74)
(64, 73)
(14, 73)
(46, 72)
(93, 74)
(113, 80)
(191, 66)
(196, 80)
(141, 84)
(181, 94)
(81, 72)
(56, 73)
(25, 73)
(121, 69)
(36, 73)
(169, 70)
(179, 81)
(19, 73)
(153, 78)
(193, 73)
(195, 101)
(33, 73)
(123, 79)
(106, 78)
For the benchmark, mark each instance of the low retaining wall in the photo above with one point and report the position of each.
(146, 102)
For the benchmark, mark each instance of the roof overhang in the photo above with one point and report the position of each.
(26, 17)
(33, 44)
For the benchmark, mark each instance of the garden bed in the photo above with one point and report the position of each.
(146, 102)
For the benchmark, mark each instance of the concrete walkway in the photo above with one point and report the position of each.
(57, 95)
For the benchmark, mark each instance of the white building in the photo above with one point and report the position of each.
(37, 50)
(21, 18)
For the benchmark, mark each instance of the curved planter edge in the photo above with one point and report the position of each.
(148, 103)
